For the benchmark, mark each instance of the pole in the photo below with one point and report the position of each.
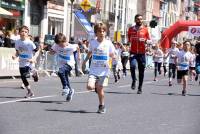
(70, 29)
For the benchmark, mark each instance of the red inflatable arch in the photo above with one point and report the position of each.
(172, 31)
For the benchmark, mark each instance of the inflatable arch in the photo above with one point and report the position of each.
(174, 30)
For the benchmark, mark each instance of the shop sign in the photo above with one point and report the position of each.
(15, 13)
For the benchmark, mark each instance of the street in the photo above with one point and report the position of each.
(159, 110)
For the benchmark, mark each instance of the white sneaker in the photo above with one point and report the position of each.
(65, 92)
(70, 95)
(29, 95)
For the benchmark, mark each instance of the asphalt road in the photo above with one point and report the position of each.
(159, 110)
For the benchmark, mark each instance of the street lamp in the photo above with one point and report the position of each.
(70, 30)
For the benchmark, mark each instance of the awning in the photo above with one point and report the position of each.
(84, 23)
(5, 12)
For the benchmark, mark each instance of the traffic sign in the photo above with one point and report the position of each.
(86, 5)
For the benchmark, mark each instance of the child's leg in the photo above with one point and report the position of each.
(102, 81)
(101, 95)
(155, 69)
(173, 71)
(159, 67)
(63, 73)
(165, 68)
(91, 84)
(179, 77)
(115, 72)
(185, 79)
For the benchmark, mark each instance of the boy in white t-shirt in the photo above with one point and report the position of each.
(183, 61)
(66, 62)
(25, 49)
(101, 49)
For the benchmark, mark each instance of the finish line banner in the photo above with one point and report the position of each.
(194, 31)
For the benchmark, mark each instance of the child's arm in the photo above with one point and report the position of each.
(89, 54)
(33, 59)
(16, 55)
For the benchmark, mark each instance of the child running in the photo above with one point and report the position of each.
(182, 61)
(158, 59)
(100, 49)
(116, 63)
(25, 49)
(66, 62)
(172, 67)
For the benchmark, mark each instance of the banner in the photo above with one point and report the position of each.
(194, 31)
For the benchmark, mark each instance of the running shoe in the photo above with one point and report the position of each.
(70, 95)
(139, 91)
(65, 92)
(183, 92)
(29, 95)
(102, 109)
(170, 83)
(35, 76)
(133, 85)
(196, 77)
(22, 86)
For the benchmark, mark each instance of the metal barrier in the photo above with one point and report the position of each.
(8, 66)
(46, 63)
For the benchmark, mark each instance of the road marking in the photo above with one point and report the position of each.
(25, 99)
(81, 92)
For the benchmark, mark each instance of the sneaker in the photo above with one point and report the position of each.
(35, 76)
(65, 92)
(196, 77)
(155, 79)
(101, 109)
(70, 95)
(29, 95)
(183, 92)
(116, 80)
(139, 91)
(133, 85)
(22, 86)
(170, 83)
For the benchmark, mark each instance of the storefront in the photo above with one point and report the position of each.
(55, 11)
(15, 19)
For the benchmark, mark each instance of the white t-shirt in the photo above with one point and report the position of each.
(65, 54)
(158, 56)
(118, 56)
(172, 53)
(184, 60)
(25, 49)
(100, 57)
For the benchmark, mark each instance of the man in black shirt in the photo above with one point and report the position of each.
(197, 49)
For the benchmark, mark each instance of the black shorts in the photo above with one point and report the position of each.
(25, 71)
(181, 73)
(192, 68)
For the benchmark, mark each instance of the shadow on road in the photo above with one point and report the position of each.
(69, 111)
(175, 94)
(111, 92)
(11, 97)
(56, 102)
